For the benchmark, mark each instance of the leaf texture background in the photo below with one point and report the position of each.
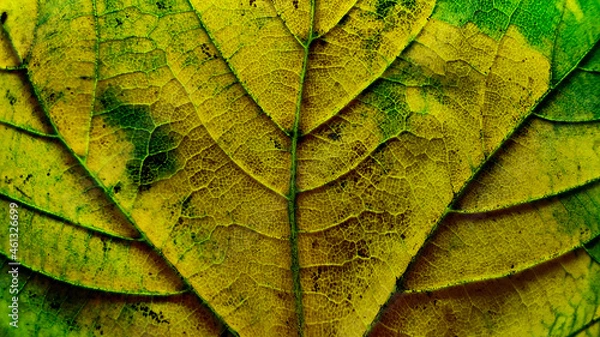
(302, 168)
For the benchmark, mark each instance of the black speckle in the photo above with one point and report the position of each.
(161, 6)
(29, 176)
(186, 203)
(117, 188)
(3, 17)
(50, 96)
(206, 51)
(147, 312)
(277, 144)
(105, 247)
(11, 98)
(333, 136)
(295, 3)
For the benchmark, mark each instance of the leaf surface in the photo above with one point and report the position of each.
(551, 299)
(63, 310)
(302, 168)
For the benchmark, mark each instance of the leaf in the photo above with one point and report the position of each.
(551, 299)
(590, 330)
(68, 310)
(576, 101)
(301, 168)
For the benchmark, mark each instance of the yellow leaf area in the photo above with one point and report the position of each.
(371, 221)
(296, 168)
(22, 37)
(276, 67)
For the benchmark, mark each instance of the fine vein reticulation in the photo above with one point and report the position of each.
(97, 182)
(275, 170)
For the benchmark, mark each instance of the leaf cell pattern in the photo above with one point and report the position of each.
(302, 168)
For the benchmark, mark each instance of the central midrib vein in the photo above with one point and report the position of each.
(293, 189)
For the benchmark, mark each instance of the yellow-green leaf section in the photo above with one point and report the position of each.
(296, 15)
(553, 299)
(563, 30)
(261, 51)
(17, 32)
(540, 160)
(62, 65)
(267, 57)
(51, 308)
(354, 53)
(18, 105)
(60, 187)
(120, 265)
(287, 175)
(474, 247)
(175, 86)
(445, 91)
(368, 224)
